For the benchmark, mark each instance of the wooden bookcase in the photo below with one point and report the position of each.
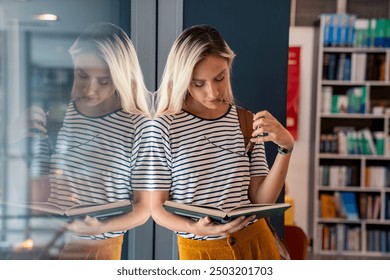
(344, 172)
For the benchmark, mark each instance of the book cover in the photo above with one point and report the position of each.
(221, 216)
(370, 148)
(341, 66)
(327, 93)
(360, 34)
(332, 70)
(347, 68)
(358, 66)
(328, 29)
(99, 211)
(342, 30)
(380, 33)
(328, 206)
(348, 199)
(351, 30)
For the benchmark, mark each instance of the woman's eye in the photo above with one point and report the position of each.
(220, 78)
(103, 82)
(82, 75)
(199, 84)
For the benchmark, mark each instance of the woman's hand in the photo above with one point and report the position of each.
(30, 123)
(88, 226)
(206, 227)
(264, 122)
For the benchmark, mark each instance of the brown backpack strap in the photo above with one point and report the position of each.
(245, 118)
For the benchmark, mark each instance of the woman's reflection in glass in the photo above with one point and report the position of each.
(94, 156)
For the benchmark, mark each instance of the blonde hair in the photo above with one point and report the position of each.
(113, 46)
(193, 45)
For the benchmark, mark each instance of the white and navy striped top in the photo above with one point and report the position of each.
(203, 161)
(97, 159)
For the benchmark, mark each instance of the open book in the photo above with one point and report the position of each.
(81, 210)
(220, 216)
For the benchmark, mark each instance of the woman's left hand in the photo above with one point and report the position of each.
(264, 122)
(88, 226)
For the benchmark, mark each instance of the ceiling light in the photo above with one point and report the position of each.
(47, 17)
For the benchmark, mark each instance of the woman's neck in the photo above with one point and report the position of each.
(197, 109)
(110, 105)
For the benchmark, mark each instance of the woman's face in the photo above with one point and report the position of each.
(93, 83)
(209, 83)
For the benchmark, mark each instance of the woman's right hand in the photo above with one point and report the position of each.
(30, 123)
(206, 227)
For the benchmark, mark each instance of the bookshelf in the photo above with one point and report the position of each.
(351, 196)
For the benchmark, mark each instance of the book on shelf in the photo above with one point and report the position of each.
(99, 211)
(329, 238)
(378, 240)
(352, 102)
(341, 66)
(339, 104)
(360, 27)
(349, 205)
(336, 176)
(370, 32)
(376, 207)
(377, 177)
(370, 205)
(338, 29)
(363, 205)
(353, 142)
(352, 238)
(358, 67)
(221, 216)
(328, 206)
(369, 147)
(356, 100)
(380, 33)
(326, 102)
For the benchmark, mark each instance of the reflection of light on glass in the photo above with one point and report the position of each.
(26, 245)
(59, 172)
(46, 17)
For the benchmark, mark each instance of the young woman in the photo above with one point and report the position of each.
(96, 156)
(199, 154)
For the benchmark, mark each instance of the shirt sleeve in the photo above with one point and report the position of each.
(152, 170)
(259, 164)
(41, 155)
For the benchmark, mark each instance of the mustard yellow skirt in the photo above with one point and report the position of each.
(80, 249)
(255, 242)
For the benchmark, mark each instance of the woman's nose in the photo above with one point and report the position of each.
(212, 91)
(89, 88)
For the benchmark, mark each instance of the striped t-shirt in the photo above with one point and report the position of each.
(203, 161)
(97, 159)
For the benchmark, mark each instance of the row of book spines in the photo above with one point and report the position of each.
(353, 102)
(340, 237)
(348, 141)
(348, 205)
(378, 240)
(375, 177)
(346, 238)
(338, 175)
(354, 67)
(372, 33)
(341, 30)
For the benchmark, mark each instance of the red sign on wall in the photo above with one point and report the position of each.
(293, 90)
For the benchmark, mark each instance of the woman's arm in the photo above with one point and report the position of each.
(138, 216)
(266, 189)
(202, 227)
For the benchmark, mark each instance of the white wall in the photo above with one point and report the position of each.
(298, 174)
